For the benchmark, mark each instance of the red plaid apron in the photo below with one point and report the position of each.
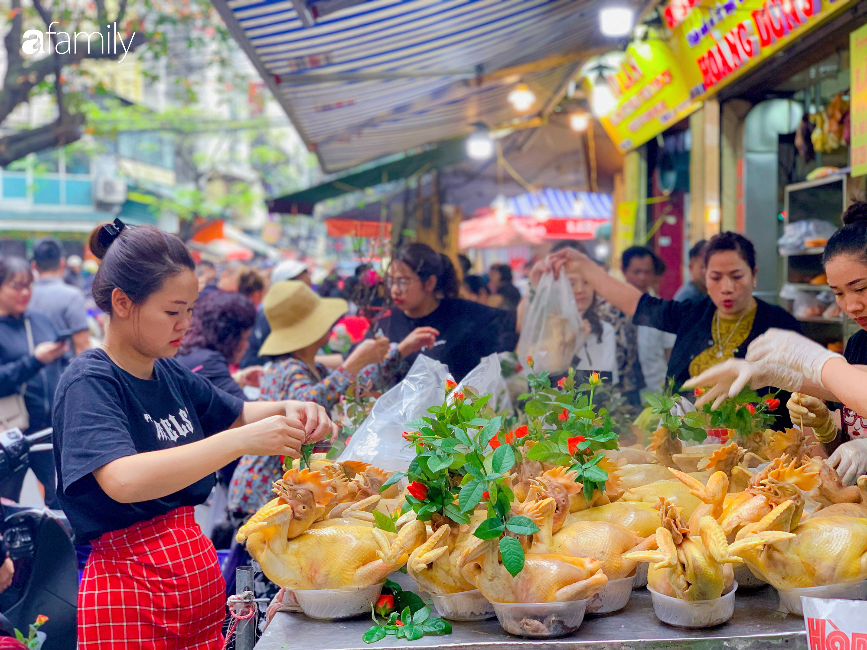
(154, 585)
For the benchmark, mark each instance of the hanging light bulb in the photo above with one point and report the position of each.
(541, 213)
(479, 145)
(579, 122)
(601, 98)
(521, 98)
(616, 21)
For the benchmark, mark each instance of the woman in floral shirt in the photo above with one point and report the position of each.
(301, 324)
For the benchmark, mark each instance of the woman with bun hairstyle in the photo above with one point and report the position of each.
(815, 375)
(137, 439)
(428, 318)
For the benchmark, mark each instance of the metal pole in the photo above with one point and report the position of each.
(246, 633)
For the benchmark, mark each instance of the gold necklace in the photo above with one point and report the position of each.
(719, 341)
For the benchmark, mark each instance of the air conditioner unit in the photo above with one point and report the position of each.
(110, 189)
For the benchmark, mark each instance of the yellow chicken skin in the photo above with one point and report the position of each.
(823, 551)
(433, 565)
(695, 567)
(641, 518)
(335, 557)
(602, 541)
(675, 492)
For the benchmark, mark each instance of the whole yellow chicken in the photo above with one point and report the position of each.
(641, 518)
(433, 565)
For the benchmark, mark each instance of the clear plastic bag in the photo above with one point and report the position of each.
(553, 329)
(379, 440)
(808, 233)
(487, 379)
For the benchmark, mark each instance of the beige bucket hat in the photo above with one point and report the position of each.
(298, 317)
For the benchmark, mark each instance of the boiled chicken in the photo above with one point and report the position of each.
(641, 518)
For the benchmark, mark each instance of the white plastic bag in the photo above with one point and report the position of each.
(833, 623)
(487, 379)
(553, 329)
(379, 440)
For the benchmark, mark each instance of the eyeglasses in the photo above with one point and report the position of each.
(18, 286)
(400, 283)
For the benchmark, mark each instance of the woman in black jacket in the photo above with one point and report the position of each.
(29, 361)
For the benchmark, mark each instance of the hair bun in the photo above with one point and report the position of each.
(104, 236)
(855, 213)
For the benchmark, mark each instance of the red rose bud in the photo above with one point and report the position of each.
(399, 623)
(418, 490)
(495, 441)
(698, 392)
(530, 361)
(564, 415)
(459, 397)
(773, 403)
(407, 435)
(573, 444)
(385, 605)
(562, 383)
(450, 385)
(521, 431)
(486, 495)
(42, 618)
(751, 409)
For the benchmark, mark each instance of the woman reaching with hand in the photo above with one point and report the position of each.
(137, 440)
(814, 374)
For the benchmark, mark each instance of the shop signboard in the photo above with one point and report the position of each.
(720, 42)
(651, 93)
(858, 106)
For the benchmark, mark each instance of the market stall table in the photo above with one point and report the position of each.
(756, 625)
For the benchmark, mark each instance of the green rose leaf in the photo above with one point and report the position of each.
(374, 634)
(413, 632)
(470, 495)
(436, 626)
(408, 601)
(513, 555)
(394, 478)
(596, 474)
(489, 529)
(521, 525)
(421, 616)
(503, 460)
(439, 462)
(451, 511)
(383, 522)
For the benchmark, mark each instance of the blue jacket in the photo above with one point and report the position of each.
(17, 366)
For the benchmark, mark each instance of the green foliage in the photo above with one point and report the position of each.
(413, 622)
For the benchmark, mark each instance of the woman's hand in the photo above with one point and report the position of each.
(809, 411)
(850, 460)
(7, 572)
(47, 352)
(539, 269)
(367, 352)
(278, 435)
(420, 337)
(315, 421)
(790, 349)
(562, 257)
(729, 378)
(251, 376)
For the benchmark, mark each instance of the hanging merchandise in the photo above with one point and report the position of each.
(831, 125)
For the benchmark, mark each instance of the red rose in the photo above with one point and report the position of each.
(385, 604)
(530, 361)
(562, 383)
(698, 392)
(459, 397)
(450, 385)
(521, 431)
(564, 415)
(772, 402)
(495, 441)
(407, 436)
(751, 409)
(573, 444)
(418, 490)
(399, 623)
(486, 495)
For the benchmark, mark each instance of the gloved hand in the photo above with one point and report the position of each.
(729, 378)
(850, 460)
(793, 350)
(809, 411)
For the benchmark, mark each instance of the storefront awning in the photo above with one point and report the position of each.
(353, 228)
(386, 76)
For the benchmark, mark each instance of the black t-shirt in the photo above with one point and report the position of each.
(214, 367)
(469, 332)
(102, 413)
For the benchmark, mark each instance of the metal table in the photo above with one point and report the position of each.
(755, 626)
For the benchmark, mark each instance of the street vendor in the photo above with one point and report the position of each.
(817, 376)
(428, 318)
(137, 441)
(709, 331)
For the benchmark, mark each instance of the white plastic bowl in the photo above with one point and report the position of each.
(331, 604)
(746, 579)
(641, 576)
(790, 599)
(697, 613)
(614, 597)
(541, 620)
(464, 606)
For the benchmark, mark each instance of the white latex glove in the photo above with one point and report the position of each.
(793, 350)
(729, 378)
(809, 411)
(850, 460)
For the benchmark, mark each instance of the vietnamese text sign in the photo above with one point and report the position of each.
(858, 107)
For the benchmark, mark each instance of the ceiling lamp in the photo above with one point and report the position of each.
(602, 100)
(579, 122)
(479, 145)
(521, 98)
(616, 21)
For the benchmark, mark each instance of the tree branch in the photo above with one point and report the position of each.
(57, 134)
